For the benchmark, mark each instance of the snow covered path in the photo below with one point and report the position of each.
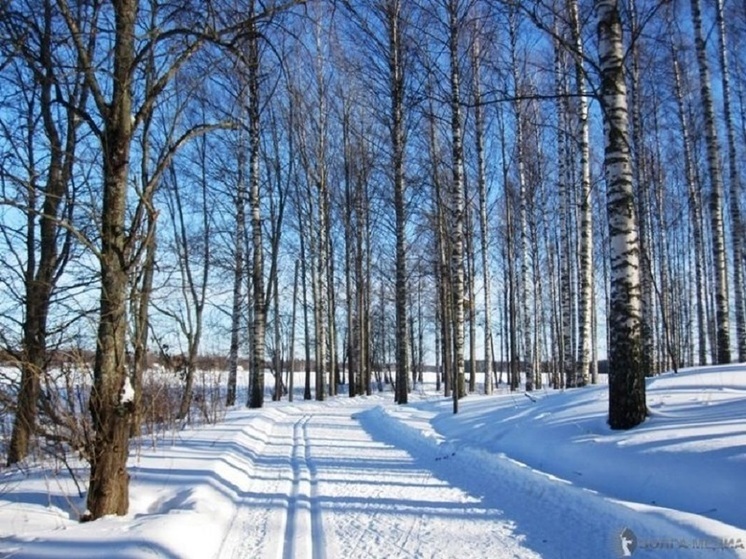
(366, 479)
(331, 490)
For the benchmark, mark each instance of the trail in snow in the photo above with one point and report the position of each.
(348, 495)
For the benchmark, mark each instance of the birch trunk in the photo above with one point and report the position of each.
(291, 377)
(238, 273)
(641, 180)
(396, 90)
(256, 394)
(525, 282)
(456, 209)
(483, 229)
(306, 323)
(722, 321)
(695, 211)
(736, 223)
(567, 372)
(627, 406)
(585, 270)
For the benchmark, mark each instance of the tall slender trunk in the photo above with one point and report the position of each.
(695, 211)
(641, 181)
(736, 222)
(525, 281)
(332, 317)
(277, 394)
(306, 325)
(627, 406)
(293, 321)
(141, 306)
(456, 206)
(352, 334)
(256, 394)
(567, 371)
(470, 299)
(362, 273)
(585, 269)
(483, 229)
(510, 335)
(238, 277)
(722, 319)
(195, 290)
(396, 92)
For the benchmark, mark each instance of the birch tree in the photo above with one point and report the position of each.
(734, 188)
(238, 273)
(456, 211)
(695, 210)
(484, 237)
(395, 50)
(722, 320)
(525, 280)
(585, 267)
(259, 325)
(627, 406)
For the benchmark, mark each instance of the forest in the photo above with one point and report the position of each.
(499, 191)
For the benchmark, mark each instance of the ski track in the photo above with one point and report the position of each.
(322, 487)
(346, 478)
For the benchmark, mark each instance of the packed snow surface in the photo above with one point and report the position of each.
(512, 475)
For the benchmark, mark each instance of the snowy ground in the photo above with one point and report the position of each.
(509, 476)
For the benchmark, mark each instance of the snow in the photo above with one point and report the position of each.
(508, 477)
(128, 392)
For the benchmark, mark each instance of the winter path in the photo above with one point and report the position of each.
(362, 478)
(323, 486)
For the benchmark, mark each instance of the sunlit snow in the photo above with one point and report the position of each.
(509, 476)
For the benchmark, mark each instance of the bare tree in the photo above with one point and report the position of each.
(48, 241)
(585, 268)
(716, 191)
(736, 221)
(525, 281)
(114, 117)
(627, 406)
(479, 126)
(695, 211)
(456, 212)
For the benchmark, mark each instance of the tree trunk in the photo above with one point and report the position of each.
(695, 211)
(565, 376)
(256, 395)
(456, 205)
(40, 278)
(291, 356)
(585, 269)
(641, 181)
(627, 406)
(736, 223)
(526, 286)
(483, 229)
(722, 321)
(108, 491)
(141, 311)
(238, 278)
(306, 325)
(396, 91)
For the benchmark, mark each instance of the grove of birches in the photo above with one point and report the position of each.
(513, 194)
